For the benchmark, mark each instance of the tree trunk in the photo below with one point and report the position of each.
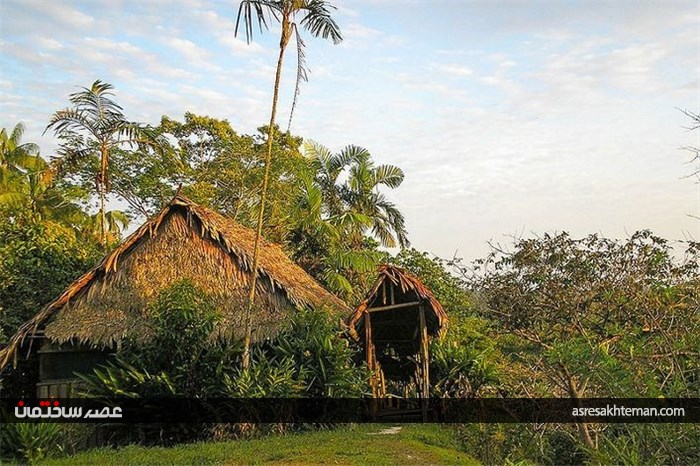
(103, 187)
(583, 432)
(263, 199)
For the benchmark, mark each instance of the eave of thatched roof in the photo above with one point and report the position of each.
(279, 278)
(407, 283)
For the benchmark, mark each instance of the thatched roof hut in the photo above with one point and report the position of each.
(183, 241)
(408, 291)
(394, 323)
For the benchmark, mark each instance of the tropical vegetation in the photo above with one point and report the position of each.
(554, 316)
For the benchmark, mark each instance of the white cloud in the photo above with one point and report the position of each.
(61, 13)
(452, 69)
(239, 46)
(357, 35)
(48, 43)
(101, 45)
(193, 54)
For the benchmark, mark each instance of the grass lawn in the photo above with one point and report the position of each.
(413, 444)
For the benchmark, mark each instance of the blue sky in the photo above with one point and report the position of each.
(513, 118)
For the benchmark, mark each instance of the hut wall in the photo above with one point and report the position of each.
(58, 365)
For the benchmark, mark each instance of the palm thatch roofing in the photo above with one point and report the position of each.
(183, 241)
(396, 286)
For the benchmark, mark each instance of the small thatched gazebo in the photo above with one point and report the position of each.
(393, 324)
(183, 241)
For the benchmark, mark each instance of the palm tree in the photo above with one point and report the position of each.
(314, 16)
(92, 128)
(357, 202)
(340, 215)
(320, 240)
(15, 156)
(32, 195)
(117, 221)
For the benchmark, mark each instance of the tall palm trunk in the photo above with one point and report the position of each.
(103, 187)
(263, 198)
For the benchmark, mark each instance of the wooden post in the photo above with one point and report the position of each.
(425, 363)
(369, 349)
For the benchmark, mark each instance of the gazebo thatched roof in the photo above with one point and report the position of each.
(393, 324)
(411, 289)
(184, 240)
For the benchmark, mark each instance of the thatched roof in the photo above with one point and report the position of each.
(409, 289)
(184, 240)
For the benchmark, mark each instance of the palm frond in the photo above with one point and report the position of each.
(319, 154)
(70, 120)
(16, 135)
(363, 260)
(251, 10)
(361, 177)
(381, 231)
(337, 283)
(117, 221)
(318, 21)
(356, 154)
(351, 220)
(302, 72)
(31, 163)
(394, 219)
(12, 200)
(388, 175)
(96, 102)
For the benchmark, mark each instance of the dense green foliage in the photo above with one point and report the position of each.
(90, 130)
(30, 442)
(600, 317)
(183, 320)
(37, 262)
(465, 362)
(342, 218)
(308, 358)
(592, 318)
(447, 287)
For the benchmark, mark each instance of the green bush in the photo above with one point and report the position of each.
(322, 356)
(648, 444)
(37, 262)
(181, 357)
(462, 364)
(501, 443)
(309, 358)
(30, 442)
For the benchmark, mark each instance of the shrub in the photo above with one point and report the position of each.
(180, 359)
(322, 356)
(30, 442)
(462, 364)
(309, 358)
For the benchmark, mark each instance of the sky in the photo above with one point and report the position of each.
(509, 119)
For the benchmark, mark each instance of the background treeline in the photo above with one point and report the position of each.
(550, 316)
